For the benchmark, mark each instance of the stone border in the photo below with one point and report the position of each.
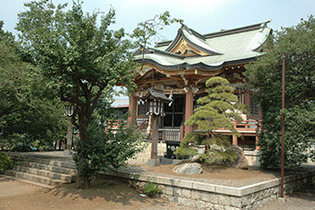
(203, 195)
(207, 187)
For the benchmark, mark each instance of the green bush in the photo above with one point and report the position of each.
(152, 189)
(5, 162)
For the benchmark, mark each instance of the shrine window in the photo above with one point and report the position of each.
(253, 105)
(174, 114)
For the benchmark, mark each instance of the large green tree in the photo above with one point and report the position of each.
(82, 58)
(29, 109)
(298, 45)
(218, 107)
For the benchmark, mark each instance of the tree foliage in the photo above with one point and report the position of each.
(29, 110)
(297, 43)
(146, 31)
(83, 59)
(106, 150)
(217, 110)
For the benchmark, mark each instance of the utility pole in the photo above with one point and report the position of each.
(282, 124)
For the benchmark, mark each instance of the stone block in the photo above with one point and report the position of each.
(254, 197)
(236, 201)
(209, 197)
(153, 162)
(246, 200)
(169, 190)
(177, 191)
(195, 194)
(218, 207)
(186, 193)
(204, 186)
(228, 190)
(182, 200)
(204, 196)
(161, 187)
(200, 204)
(191, 203)
(182, 183)
(231, 208)
(213, 198)
(209, 205)
(224, 200)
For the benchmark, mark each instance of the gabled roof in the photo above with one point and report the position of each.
(194, 39)
(213, 51)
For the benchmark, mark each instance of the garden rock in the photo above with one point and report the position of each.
(188, 169)
(241, 161)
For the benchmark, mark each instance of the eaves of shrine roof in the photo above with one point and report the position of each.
(235, 46)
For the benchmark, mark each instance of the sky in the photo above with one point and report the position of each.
(204, 16)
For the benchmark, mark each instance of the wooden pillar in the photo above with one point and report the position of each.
(234, 140)
(257, 140)
(257, 134)
(247, 98)
(189, 109)
(154, 137)
(133, 100)
(234, 137)
(182, 132)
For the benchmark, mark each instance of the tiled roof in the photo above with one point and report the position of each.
(235, 46)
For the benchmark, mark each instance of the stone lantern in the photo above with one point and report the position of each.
(155, 100)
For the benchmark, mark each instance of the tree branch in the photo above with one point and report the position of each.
(95, 99)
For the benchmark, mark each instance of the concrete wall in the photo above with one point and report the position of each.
(202, 195)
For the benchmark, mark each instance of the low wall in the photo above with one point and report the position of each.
(207, 196)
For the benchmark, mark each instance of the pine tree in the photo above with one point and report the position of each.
(218, 108)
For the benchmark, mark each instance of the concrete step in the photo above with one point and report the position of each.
(28, 182)
(34, 178)
(45, 173)
(50, 168)
(52, 162)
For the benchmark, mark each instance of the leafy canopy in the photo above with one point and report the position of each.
(265, 75)
(29, 110)
(84, 59)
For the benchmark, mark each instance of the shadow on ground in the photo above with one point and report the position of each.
(103, 187)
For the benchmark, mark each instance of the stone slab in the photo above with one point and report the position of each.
(153, 162)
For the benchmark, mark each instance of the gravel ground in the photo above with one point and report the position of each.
(219, 175)
(300, 200)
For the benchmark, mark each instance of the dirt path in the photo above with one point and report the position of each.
(103, 194)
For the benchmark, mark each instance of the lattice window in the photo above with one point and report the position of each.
(253, 106)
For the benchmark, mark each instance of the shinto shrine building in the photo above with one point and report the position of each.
(182, 66)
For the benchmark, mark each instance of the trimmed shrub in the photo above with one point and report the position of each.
(5, 162)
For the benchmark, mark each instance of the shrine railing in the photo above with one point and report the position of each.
(245, 126)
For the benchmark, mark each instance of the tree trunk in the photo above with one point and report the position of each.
(83, 180)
